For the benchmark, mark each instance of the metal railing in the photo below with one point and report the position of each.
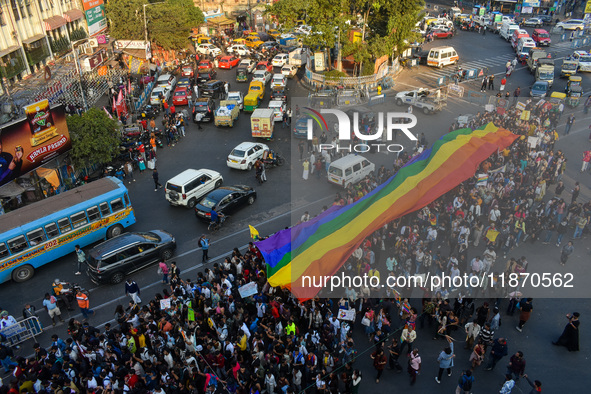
(22, 331)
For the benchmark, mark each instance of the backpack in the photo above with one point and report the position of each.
(466, 382)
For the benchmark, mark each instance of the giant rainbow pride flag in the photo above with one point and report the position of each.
(319, 247)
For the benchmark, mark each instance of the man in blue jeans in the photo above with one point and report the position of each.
(204, 243)
(569, 123)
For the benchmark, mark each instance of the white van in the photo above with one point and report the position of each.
(506, 30)
(190, 186)
(523, 46)
(349, 170)
(442, 56)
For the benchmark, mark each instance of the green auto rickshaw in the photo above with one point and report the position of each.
(251, 102)
(573, 80)
(241, 74)
(574, 95)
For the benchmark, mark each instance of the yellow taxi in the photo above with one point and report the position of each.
(253, 34)
(239, 41)
(273, 33)
(253, 42)
(257, 87)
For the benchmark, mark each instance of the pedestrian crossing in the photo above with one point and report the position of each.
(495, 63)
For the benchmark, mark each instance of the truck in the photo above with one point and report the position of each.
(298, 57)
(262, 122)
(423, 98)
(569, 67)
(227, 113)
(545, 70)
(534, 55)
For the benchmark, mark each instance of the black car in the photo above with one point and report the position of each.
(213, 89)
(279, 93)
(112, 260)
(269, 45)
(205, 76)
(205, 107)
(547, 19)
(225, 200)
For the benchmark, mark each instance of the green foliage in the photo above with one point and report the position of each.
(288, 12)
(334, 75)
(169, 23)
(95, 138)
(78, 34)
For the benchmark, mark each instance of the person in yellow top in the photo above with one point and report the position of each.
(290, 329)
(520, 230)
(243, 342)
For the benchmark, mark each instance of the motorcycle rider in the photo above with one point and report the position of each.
(64, 292)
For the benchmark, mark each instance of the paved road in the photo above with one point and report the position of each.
(277, 207)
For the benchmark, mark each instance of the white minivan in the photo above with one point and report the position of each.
(442, 56)
(349, 170)
(524, 45)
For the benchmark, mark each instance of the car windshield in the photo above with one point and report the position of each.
(540, 87)
(546, 75)
(255, 87)
(585, 59)
(544, 35)
(204, 75)
(569, 66)
(237, 153)
(207, 202)
(204, 64)
(155, 93)
(201, 107)
(335, 171)
(234, 97)
(181, 93)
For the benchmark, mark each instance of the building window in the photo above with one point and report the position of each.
(17, 16)
(40, 2)
(2, 21)
(29, 8)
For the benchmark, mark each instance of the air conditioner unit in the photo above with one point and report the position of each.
(93, 42)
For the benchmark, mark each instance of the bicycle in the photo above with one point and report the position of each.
(215, 226)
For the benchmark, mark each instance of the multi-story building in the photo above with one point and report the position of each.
(35, 31)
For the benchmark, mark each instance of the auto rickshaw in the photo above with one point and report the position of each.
(573, 80)
(241, 74)
(257, 87)
(574, 95)
(556, 98)
(251, 102)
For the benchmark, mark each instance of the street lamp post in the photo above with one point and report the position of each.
(79, 71)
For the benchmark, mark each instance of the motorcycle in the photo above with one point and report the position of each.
(65, 293)
(272, 159)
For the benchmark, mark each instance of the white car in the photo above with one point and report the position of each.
(155, 96)
(303, 29)
(190, 186)
(278, 107)
(238, 49)
(289, 70)
(280, 60)
(244, 155)
(249, 64)
(278, 80)
(262, 76)
(571, 24)
(166, 81)
(236, 96)
(208, 49)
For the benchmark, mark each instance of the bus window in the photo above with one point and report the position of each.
(36, 236)
(64, 225)
(79, 219)
(105, 211)
(51, 230)
(126, 200)
(117, 205)
(93, 214)
(17, 244)
(3, 250)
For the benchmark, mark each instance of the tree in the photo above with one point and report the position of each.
(95, 138)
(169, 23)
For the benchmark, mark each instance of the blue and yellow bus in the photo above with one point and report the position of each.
(49, 229)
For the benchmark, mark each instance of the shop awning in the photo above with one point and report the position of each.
(8, 50)
(221, 21)
(11, 189)
(54, 22)
(33, 39)
(73, 15)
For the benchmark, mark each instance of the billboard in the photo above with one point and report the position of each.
(88, 4)
(28, 144)
(95, 18)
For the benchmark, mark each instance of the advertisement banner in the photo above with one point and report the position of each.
(587, 7)
(27, 144)
(95, 18)
(88, 4)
